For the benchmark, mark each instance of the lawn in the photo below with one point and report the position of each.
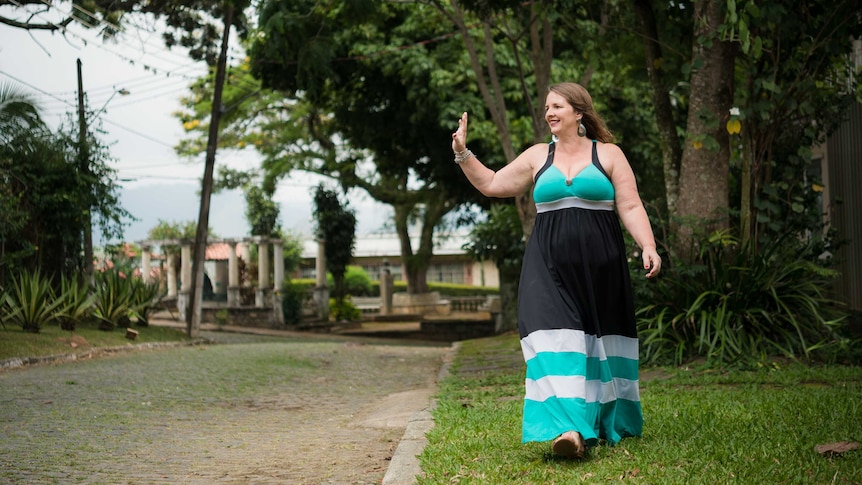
(701, 426)
(51, 340)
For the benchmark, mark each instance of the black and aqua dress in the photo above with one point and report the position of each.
(576, 312)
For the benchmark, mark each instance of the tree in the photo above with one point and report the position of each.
(705, 163)
(657, 65)
(372, 122)
(784, 65)
(192, 24)
(44, 198)
(262, 212)
(500, 239)
(292, 251)
(518, 24)
(336, 225)
(797, 80)
(18, 115)
(19, 110)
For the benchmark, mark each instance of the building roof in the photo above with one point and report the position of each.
(389, 246)
(219, 251)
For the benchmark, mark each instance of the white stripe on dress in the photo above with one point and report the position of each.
(574, 203)
(578, 387)
(569, 340)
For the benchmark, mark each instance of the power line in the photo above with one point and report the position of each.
(46, 93)
(130, 130)
(146, 79)
(66, 30)
(99, 21)
(71, 105)
(162, 177)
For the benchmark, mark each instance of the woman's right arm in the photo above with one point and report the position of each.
(512, 180)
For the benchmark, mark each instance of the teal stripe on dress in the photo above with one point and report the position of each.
(629, 418)
(577, 364)
(544, 421)
(556, 364)
(623, 368)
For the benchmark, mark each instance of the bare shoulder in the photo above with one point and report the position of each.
(538, 149)
(610, 152)
(534, 156)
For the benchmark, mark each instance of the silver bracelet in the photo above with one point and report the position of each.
(461, 157)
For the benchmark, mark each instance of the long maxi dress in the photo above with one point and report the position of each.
(576, 313)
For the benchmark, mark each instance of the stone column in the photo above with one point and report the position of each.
(185, 279)
(145, 263)
(278, 264)
(263, 288)
(278, 281)
(233, 293)
(321, 292)
(245, 253)
(386, 289)
(172, 275)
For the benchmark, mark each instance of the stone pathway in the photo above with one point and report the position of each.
(271, 407)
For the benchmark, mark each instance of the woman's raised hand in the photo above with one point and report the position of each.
(459, 138)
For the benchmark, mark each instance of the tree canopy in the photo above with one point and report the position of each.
(44, 195)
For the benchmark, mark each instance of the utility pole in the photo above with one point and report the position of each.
(193, 312)
(84, 167)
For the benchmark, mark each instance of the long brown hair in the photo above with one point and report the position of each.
(582, 102)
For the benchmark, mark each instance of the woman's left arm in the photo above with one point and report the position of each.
(630, 207)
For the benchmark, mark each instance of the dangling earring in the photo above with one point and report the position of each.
(582, 130)
(555, 138)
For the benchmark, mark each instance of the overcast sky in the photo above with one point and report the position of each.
(156, 183)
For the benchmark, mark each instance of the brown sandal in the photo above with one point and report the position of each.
(569, 444)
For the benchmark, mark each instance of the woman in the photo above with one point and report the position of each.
(575, 309)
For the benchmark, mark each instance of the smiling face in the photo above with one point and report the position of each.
(560, 115)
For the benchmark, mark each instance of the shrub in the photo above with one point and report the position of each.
(292, 296)
(143, 299)
(356, 281)
(30, 302)
(113, 303)
(737, 304)
(77, 302)
(455, 289)
(345, 311)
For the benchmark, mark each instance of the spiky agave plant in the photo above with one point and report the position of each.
(77, 303)
(738, 304)
(113, 300)
(145, 297)
(30, 302)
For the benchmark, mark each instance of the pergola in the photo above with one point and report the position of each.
(264, 293)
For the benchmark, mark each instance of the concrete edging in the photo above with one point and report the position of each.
(404, 466)
(17, 362)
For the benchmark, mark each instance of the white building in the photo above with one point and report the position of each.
(450, 263)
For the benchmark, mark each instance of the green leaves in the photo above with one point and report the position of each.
(739, 305)
(77, 302)
(114, 301)
(30, 302)
(499, 238)
(145, 296)
(337, 226)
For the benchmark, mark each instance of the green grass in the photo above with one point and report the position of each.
(52, 340)
(701, 426)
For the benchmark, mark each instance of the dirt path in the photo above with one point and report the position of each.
(253, 409)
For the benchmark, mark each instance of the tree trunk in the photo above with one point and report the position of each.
(705, 164)
(509, 279)
(745, 200)
(490, 87)
(194, 309)
(671, 152)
